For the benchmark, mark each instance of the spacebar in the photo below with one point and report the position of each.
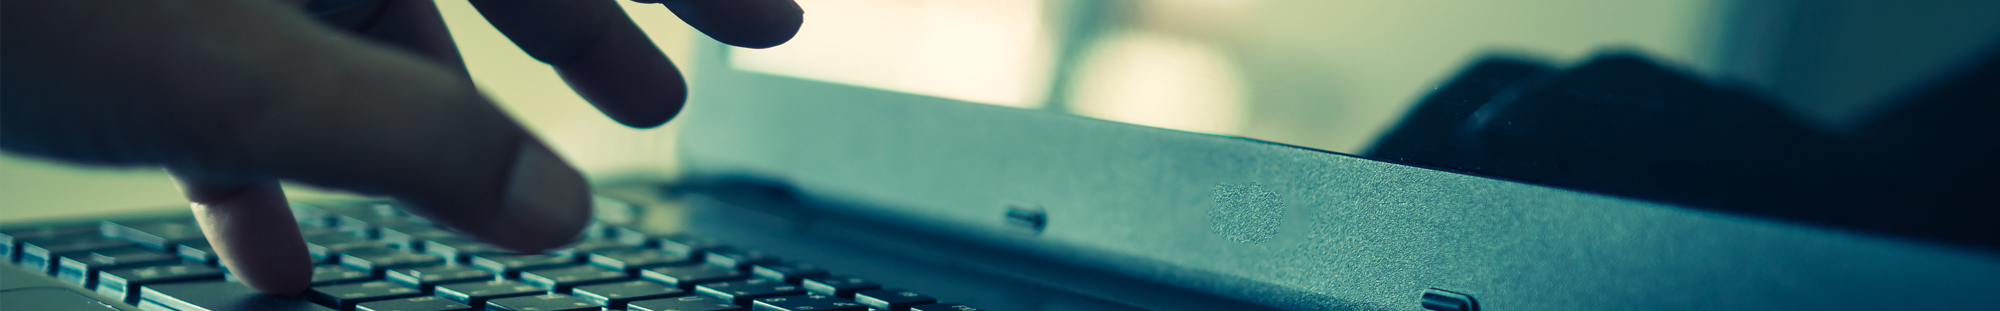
(216, 296)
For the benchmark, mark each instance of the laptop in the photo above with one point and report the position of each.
(830, 196)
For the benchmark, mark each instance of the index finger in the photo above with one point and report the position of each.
(606, 58)
(746, 23)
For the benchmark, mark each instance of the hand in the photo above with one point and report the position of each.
(234, 95)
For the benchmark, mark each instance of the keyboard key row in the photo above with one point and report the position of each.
(44, 255)
(424, 277)
(892, 299)
(839, 286)
(689, 303)
(420, 303)
(633, 261)
(581, 287)
(345, 296)
(788, 272)
(155, 234)
(217, 296)
(685, 277)
(562, 279)
(372, 260)
(122, 283)
(377, 261)
(334, 274)
(477, 293)
(808, 302)
(543, 302)
(11, 239)
(511, 265)
(742, 291)
(81, 268)
(616, 295)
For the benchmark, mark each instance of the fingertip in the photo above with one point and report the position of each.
(254, 235)
(627, 79)
(634, 98)
(752, 24)
(648, 116)
(546, 203)
(282, 288)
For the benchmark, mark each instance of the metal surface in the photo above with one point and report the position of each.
(950, 270)
(22, 289)
(1351, 233)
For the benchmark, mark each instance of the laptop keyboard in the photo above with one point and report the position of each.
(373, 257)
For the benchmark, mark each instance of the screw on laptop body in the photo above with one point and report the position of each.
(1444, 300)
(1029, 217)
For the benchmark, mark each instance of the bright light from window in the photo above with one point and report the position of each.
(993, 52)
(1157, 80)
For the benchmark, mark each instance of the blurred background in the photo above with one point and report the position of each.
(1326, 74)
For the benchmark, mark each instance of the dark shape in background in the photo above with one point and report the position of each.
(1622, 125)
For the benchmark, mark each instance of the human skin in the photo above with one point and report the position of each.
(233, 96)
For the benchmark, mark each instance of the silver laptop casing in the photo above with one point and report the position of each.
(1278, 225)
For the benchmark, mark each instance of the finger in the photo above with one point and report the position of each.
(342, 14)
(746, 23)
(389, 123)
(288, 99)
(598, 51)
(252, 230)
(417, 27)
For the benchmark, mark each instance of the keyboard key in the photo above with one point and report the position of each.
(314, 231)
(360, 217)
(345, 296)
(687, 246)
(350, 207)
(632, 236)
(356, 225)
(217, 295)
(597, 230)
(476, 293)
(737, 258)
(44, 255)
(689, 303)
(892, 299)
(461, 249)
(11, 238)
(545, 302)
(616, 295)
(197, 251)
(640, 259)
(81, 268)
(741, 292)
(160, 234)
(686, 277)
(370, 226)
(562, 279)
(375, 261)
(807, 302)
(124, 283)
(949, 306)
(424, 277)
(839, 286)
(511, 265)
(588, 246)
(419, 303)
(332, 274)
(788, 272)
(413, 236)
(310, 215)
(328, 247)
